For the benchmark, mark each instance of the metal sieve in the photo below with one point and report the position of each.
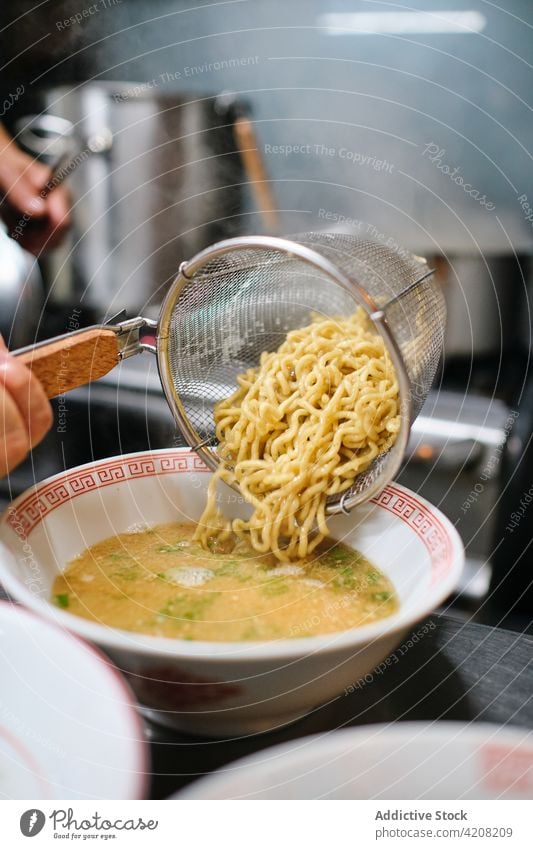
(242, 296)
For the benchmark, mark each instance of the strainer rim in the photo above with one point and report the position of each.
(290, 247)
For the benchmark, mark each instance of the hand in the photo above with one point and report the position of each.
(25, 412)
(37, 223)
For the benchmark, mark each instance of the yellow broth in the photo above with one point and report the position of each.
(160, 582)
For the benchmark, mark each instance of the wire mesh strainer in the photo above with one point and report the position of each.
(241, 297)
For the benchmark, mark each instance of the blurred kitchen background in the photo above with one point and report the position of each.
(404, 120)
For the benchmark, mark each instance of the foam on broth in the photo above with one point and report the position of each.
(160, 582)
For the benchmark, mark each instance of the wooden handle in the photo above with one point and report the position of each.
(70, 361)
(256, 172)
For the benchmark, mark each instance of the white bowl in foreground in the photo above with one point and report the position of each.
(222, 688)
(68, 725)
(407, 760)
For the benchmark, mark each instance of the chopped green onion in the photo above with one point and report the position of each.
(382, 596)
(62, 600)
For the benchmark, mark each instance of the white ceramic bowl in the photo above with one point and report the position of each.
(222, 688)
(407, 760)
(68, 724)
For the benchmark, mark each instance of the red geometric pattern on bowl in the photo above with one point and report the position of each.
(111, 473)
(428, 528)
(47, 497)
(166, 685)
(505, 768)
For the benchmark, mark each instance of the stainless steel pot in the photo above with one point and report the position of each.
(170, 184)
(21, 293)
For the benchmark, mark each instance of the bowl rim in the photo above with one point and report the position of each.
(138, 779)
(335, 743)
(244, 651)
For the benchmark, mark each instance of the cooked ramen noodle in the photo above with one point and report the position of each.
(160, 582)
(300, 427)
